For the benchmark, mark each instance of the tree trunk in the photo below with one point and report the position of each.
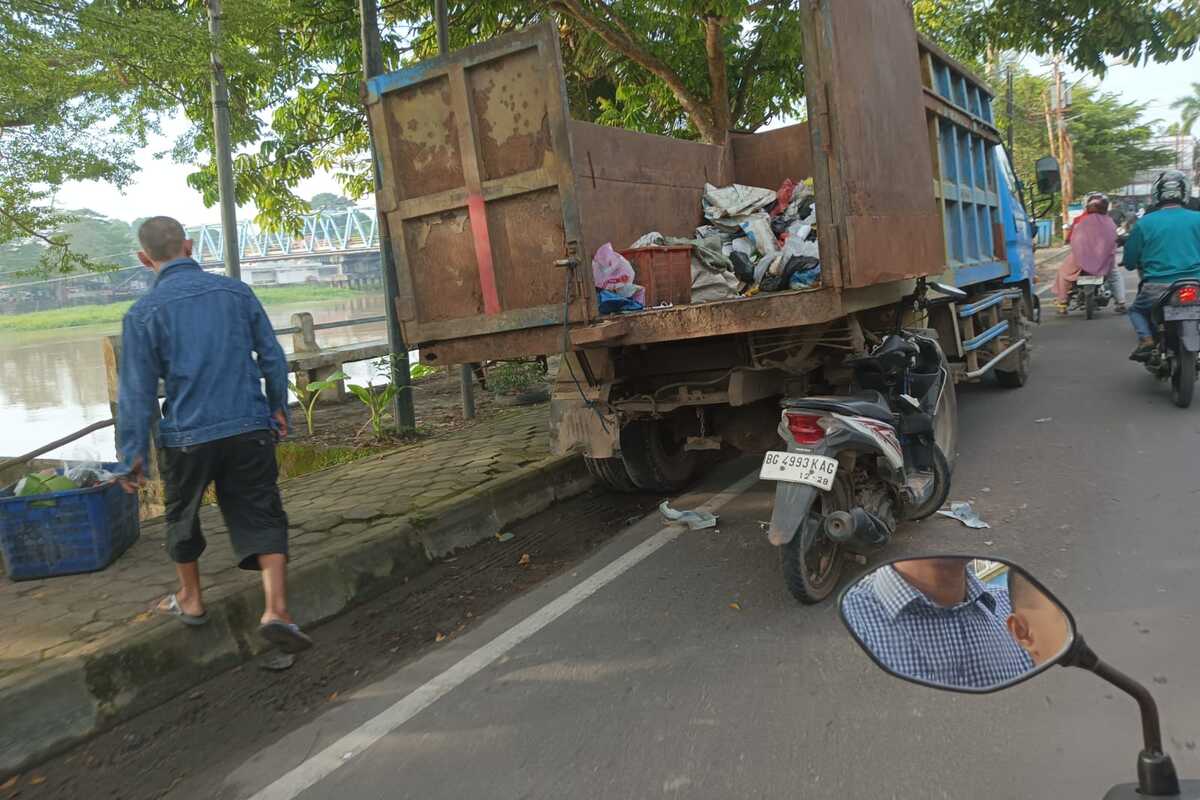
(718, 79)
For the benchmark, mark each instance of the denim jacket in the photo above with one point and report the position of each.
(200, 334)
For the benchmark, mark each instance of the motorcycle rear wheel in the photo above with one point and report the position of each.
(1183, 376)
(1089, 301)
(812, 562)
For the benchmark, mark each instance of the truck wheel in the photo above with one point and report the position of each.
(1016, 370)
(812, 562)
(655, 457)
(611, 472)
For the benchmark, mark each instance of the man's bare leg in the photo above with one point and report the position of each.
(274, 578)
(189, 596)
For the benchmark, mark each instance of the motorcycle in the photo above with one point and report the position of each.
(1018, 631)
(1176, 319)
(1089, 293)
(856, 465)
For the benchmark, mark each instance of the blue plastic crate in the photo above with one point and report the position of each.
(60, 533)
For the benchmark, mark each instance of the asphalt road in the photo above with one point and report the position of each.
(691, 673)
(676, 665)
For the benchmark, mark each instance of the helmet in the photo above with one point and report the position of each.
(1170, 187)
(1097, 199)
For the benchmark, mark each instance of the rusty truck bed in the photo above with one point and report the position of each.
(496, 199)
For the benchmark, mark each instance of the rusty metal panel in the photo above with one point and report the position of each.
(767, 158)
(479, 190)
(631, 183)
(861, 65)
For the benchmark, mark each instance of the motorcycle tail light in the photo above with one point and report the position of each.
(806, 428)
(1187, 294)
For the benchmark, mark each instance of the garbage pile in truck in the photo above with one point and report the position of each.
(753, 240)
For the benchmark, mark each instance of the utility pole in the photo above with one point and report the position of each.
(1009, 108)
(222, 148)
(1066, 164)
(402, 406)
(466, 377)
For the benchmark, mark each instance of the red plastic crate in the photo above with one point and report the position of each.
(665, 272)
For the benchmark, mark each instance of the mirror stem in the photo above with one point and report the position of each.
(1156, 771)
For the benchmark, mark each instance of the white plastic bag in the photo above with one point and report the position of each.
(613, 273)
(735, 200)
(758, 229)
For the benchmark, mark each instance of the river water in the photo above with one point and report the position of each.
(52, 382)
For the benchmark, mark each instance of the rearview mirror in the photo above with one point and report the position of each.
(1049, 179)
(950, 291)
(959, 623)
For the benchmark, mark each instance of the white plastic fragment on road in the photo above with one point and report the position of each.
(1043, 420)
(696, 520)
(964, 513)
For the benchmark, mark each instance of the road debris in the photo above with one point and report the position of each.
(696, 520)
(278, 663)
(504, 537)
(1043, 420)
(964, 513)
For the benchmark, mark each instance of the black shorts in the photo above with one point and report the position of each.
(247, 478)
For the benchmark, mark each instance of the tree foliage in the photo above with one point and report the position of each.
(83, 82)
(1112, 139)
(1189, 110)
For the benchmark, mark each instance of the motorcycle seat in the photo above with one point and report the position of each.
(869, 404)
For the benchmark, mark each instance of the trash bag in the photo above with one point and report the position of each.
(652, 239)
(735, 200)
(89, 474)
(809, 270)
(783, 197)
(801, 241)
(743, 267)
(612, 273)
(712, 271)
(758, 229)
(613, 303)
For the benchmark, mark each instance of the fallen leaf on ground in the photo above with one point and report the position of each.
(736, 606)
(37, 780)
(503, 537)
(440, 637)
(525, 560)
(145, 615)
(10, 783)
(333, 697)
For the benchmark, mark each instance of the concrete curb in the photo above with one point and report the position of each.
(85, 694)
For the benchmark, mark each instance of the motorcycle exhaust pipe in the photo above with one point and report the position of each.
(858, 527)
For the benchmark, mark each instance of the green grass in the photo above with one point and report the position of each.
(78, 316)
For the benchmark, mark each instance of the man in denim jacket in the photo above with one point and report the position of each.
(207, 338)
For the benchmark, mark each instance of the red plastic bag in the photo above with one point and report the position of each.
(783, 197)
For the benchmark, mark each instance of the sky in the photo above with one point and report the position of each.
(160, 187)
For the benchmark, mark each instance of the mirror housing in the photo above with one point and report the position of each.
(1049, 178)
(959, 623)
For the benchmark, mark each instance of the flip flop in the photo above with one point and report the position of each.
(287, 636)
(173, 609)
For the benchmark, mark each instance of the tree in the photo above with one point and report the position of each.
(1112, 139)
(1189, 110)
(328, 201)
(1085, 32)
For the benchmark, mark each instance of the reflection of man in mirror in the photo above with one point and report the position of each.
(931, 619)
(1038, 625)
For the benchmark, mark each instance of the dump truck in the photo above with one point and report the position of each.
(497, 200)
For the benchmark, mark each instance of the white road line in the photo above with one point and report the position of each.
(353, 744)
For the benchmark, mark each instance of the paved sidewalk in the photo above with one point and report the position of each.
(79, 652)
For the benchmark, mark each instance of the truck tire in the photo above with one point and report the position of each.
(1018, 364)
(812, 564)
(612, 473)
(655, 457)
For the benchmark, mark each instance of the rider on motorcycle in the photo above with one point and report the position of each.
(1093, 241)
(1165, 247)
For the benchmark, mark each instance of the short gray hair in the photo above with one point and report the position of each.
(162, 238)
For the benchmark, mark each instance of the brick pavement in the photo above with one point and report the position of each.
(46, 620)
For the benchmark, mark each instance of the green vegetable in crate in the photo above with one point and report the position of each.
(38, 483)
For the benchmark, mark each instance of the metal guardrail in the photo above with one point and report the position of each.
(325, 326)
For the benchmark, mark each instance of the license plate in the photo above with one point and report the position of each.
(1090, 280)
(1174, 313)
(818, 471)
